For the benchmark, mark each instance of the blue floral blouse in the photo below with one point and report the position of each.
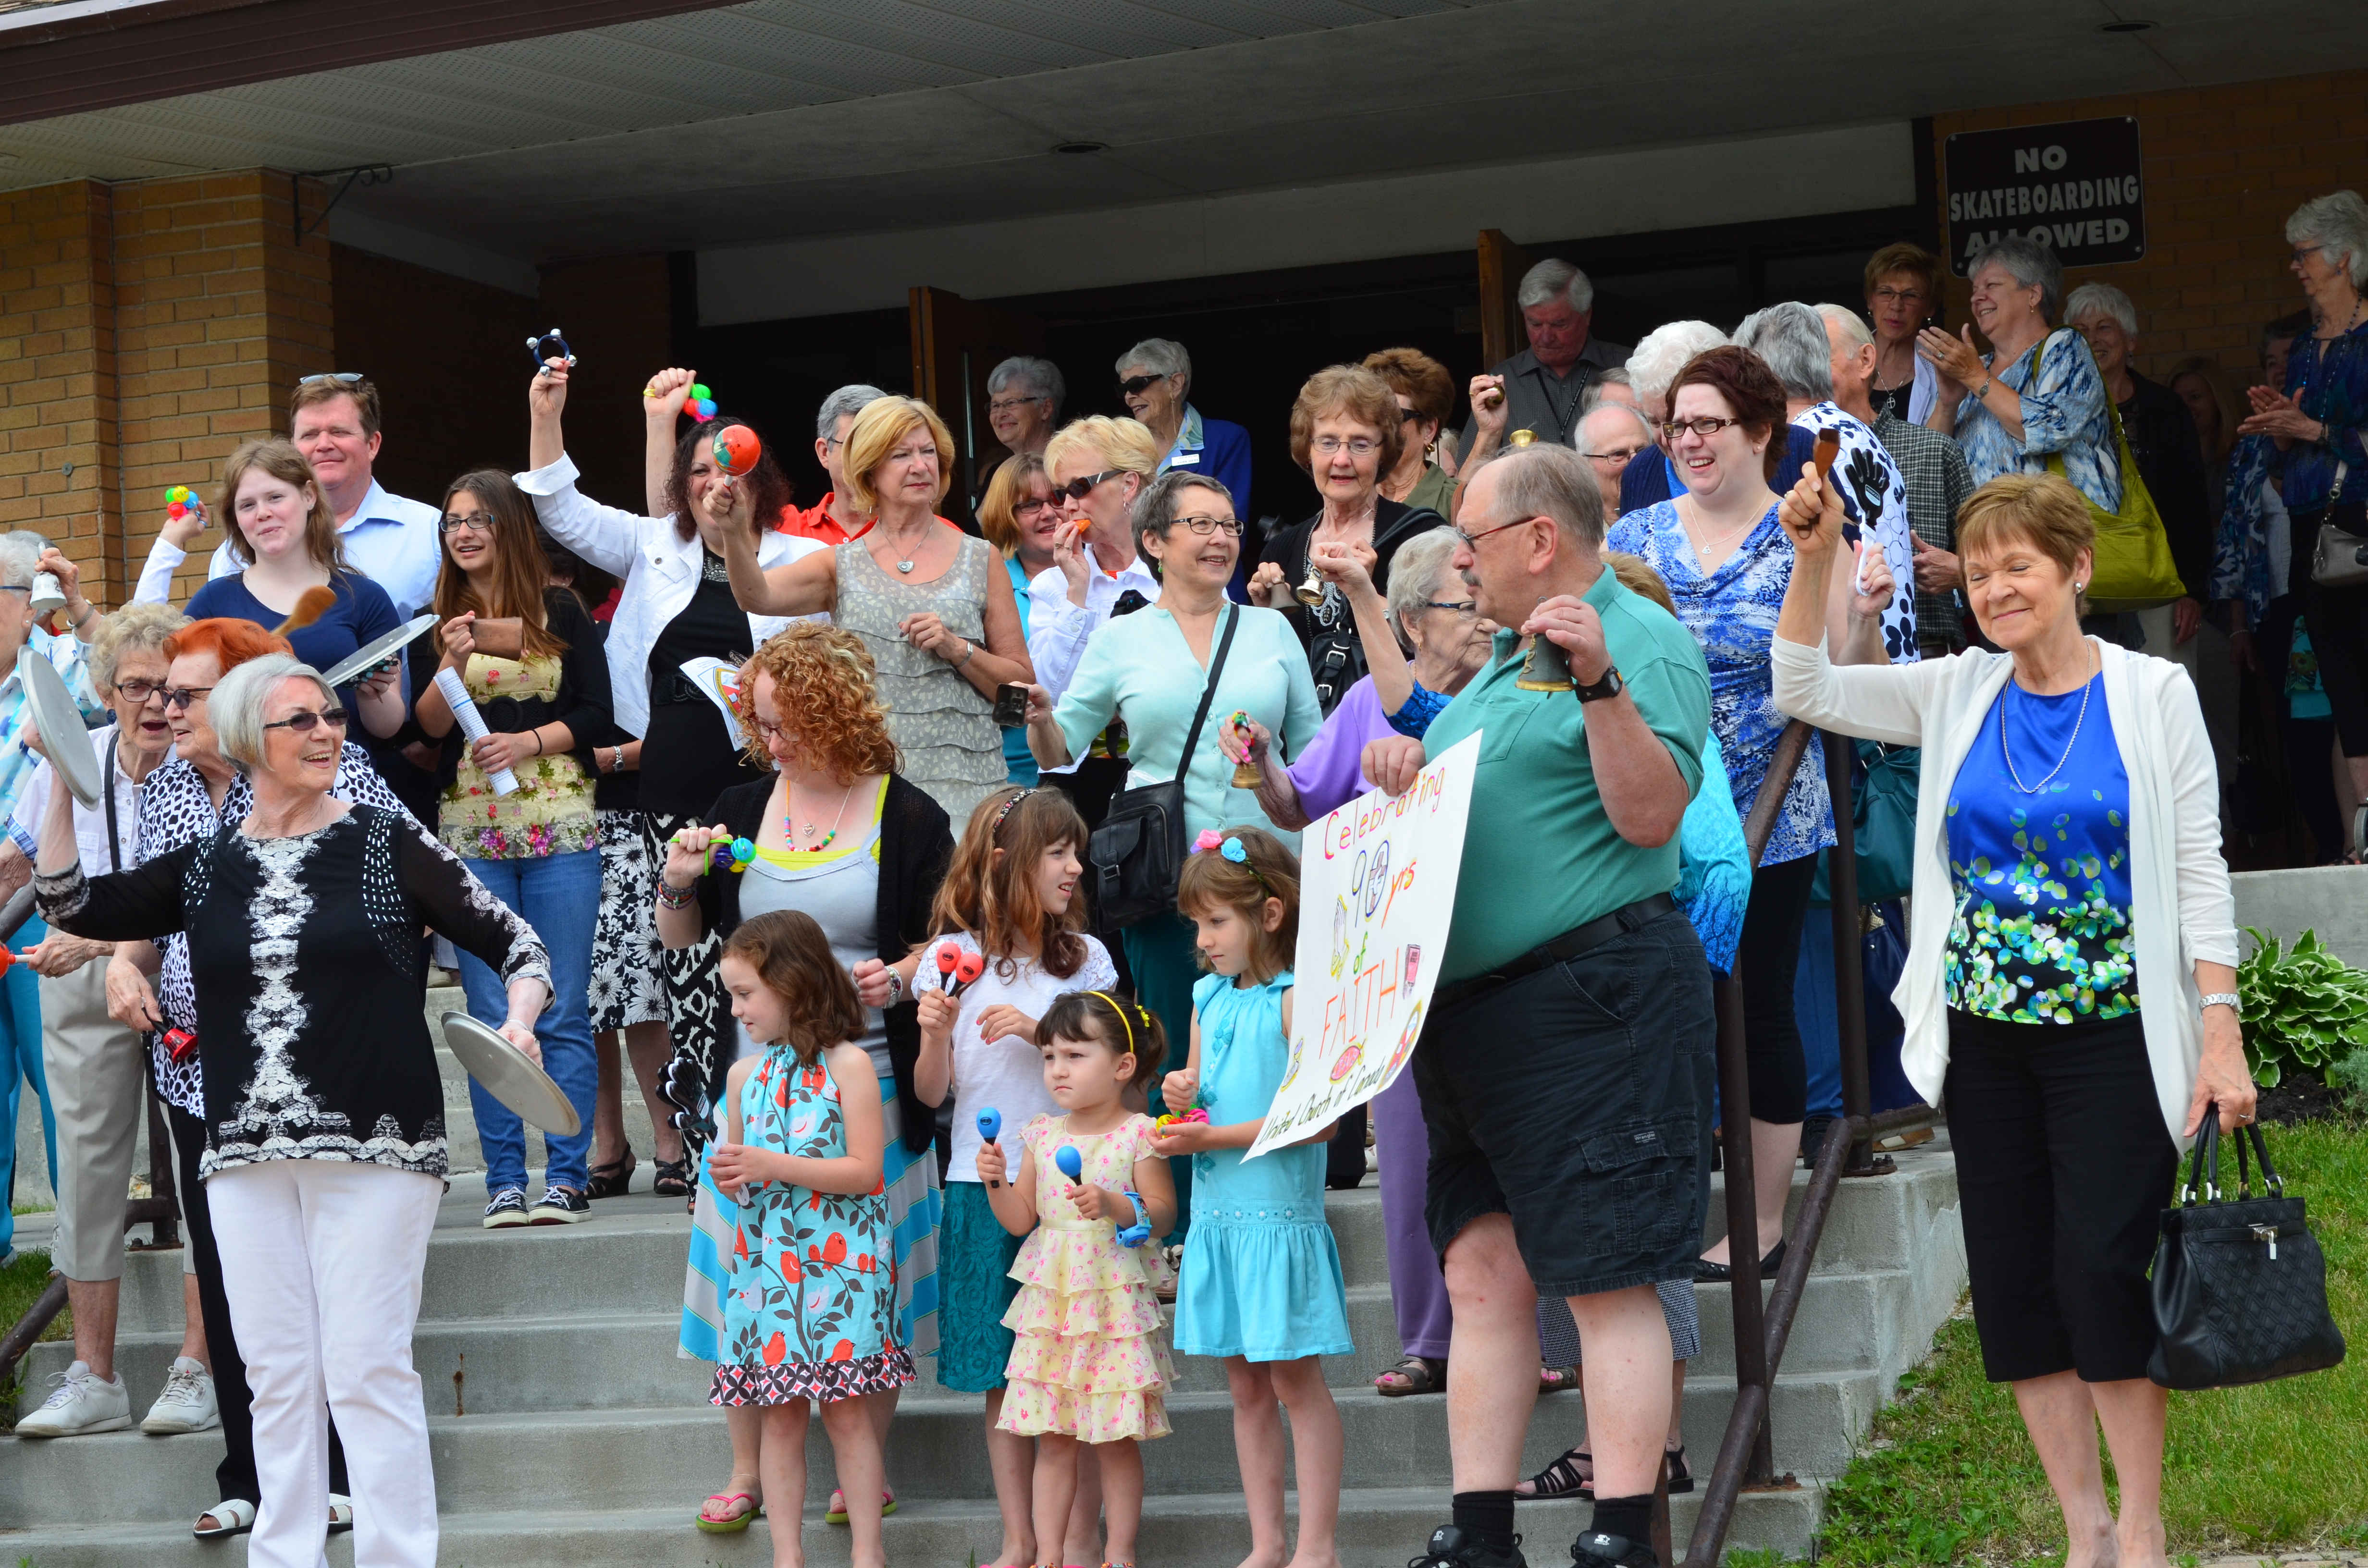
(2240, 553)
(1732, 613)
(2041, 932)
(1872, 488)
(2333, 380)
(2066, 413)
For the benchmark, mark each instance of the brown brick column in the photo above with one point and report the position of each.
(58, 455)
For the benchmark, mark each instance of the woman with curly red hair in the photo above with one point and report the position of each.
(836, 833)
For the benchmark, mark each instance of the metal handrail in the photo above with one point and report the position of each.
(1745, 1453)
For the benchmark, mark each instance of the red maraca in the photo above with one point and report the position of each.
(948, 959)
(736, 449)
(967, 969)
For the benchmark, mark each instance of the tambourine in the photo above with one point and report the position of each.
(537, 350)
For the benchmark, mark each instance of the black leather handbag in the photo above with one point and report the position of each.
(1138, 851)
(2240, 1284)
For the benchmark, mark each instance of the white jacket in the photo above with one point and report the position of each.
(659, 568)
(2182, 913)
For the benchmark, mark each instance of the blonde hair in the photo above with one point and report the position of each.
(134, 629)
(2037, 509)
(1120, 443)
(884, 423)
(998, 510)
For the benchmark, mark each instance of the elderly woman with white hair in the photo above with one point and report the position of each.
(1023, 402)
(2319, 421)
(325, 1145)
(1154, 377)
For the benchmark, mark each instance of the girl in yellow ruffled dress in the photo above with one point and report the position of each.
(1088, 1362)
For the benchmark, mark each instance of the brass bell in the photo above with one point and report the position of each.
(1311, 592)
(1520, 437)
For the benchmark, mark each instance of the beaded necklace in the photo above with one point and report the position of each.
(790, 832)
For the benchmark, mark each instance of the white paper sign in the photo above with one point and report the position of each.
(719, 681)
(1377, 889)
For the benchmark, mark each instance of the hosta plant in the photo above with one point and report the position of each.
(2303, 1008)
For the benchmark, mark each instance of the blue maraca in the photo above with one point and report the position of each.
(990, 1128)
(1065, 1157)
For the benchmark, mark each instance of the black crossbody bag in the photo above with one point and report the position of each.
(1138, 851)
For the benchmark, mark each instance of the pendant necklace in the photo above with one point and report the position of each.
(808, 828)
(2008, 751)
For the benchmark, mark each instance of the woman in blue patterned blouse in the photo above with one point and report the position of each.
(1726, 561)
(2036, 403)
(2320, 423)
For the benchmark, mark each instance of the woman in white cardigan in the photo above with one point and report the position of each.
(2068, 863)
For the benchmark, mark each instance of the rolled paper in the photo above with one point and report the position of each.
(472, 722)
(1065, 1157)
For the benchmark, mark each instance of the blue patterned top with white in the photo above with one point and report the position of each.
(2065, 414)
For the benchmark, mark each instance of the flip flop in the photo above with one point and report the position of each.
(234, 1515)
(835, 1511)
(737, 1522)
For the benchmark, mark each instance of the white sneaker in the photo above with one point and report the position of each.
(187, 1404)
(82, 1406)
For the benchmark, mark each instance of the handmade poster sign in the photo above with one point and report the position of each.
(718, 680)
(1376, 889)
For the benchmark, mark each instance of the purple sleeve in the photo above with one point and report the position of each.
(1329, 772)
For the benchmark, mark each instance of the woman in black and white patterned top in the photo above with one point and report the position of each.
(325, 1151)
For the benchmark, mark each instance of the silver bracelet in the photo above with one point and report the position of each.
(2222, 999)
(895, 986)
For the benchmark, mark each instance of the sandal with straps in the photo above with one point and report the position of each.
(614, 1179)
(1415, 1374)
(231, 1516)
(673, 1178)
(1572, 1476)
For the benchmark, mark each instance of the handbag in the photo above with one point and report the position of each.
(2132, 554)
(2340, 560)
(1882, 824)
(1138, 851)
(2240, 1284)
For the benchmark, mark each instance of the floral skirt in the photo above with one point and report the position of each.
(628, 962)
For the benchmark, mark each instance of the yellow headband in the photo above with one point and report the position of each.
(1118, 1008)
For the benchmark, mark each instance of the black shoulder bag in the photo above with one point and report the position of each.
(2240, 1284)
(1138, 851)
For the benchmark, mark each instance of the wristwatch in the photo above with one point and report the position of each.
(2222, 999)
(1609, 686)
(895, 986)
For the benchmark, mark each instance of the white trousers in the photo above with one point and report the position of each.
(322, 1262)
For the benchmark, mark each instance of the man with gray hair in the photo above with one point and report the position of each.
(1540, 386)
(1611, 437)
(1790, 340)
(1596, 971)
(1023, 401)
(833, 519)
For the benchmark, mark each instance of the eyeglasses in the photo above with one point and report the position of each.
(1004, 404)
(1357, 445)
(766, 730)
(1033, 504)
(1408, 414)
(303, 723)
(24, 588)
(2302, 251)
(347, 376)
(1706, 427)
(1078, 489)
(1134, 384)
(1471, 541)
(1462, 609)
(185, 696)
(1205, 526)
(1617, 458)
(476, 522)
(137, 692)
(1899, 296)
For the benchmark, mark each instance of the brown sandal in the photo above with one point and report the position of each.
(1419, 1374)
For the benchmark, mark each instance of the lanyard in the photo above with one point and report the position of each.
(114, 839)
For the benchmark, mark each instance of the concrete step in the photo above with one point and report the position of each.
(1379, 1525)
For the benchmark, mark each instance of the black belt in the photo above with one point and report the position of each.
(1560, 949)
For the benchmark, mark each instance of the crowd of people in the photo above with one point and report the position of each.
(754, 778)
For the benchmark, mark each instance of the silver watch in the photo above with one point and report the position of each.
(2222, 999)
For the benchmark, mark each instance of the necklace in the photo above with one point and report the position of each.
(1705, 546)
(807, 828)
(2076, 720)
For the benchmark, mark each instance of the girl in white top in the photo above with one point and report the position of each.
(1010, 897)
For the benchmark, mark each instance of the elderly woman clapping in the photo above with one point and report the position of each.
(325, 1150)
(2068, 863)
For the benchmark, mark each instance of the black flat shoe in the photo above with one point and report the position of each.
(1708, 1273)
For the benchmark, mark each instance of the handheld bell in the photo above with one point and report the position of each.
(1311, 592)
(1246, 772)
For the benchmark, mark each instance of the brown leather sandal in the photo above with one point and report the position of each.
(1419, 1374)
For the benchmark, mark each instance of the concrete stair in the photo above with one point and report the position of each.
(567, 1432)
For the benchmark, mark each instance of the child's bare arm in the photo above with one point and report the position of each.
(1157, 1186)
(1013, 1199)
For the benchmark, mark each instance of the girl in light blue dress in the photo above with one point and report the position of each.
(1261, 1283)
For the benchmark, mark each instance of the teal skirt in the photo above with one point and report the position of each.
(975, 1289)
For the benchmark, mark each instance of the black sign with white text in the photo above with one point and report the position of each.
(2073, 187)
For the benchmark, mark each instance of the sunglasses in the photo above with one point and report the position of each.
(304, 724)
(1078, 489)
(185, 696)
(348, 377)
(1135, 384)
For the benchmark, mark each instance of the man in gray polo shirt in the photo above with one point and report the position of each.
(1545, 382)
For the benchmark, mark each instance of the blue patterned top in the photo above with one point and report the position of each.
(2333, 380)
(68, 655)
(1421, 706)
(2041, 935)
(1713, 865)
(2240, 553)
(2066, 413)
(1872, 489)
(1732, 613)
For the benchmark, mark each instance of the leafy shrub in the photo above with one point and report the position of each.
(2351, 1078)
(2305, 1008)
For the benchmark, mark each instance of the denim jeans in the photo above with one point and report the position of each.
(559, 895)
(20, 1064)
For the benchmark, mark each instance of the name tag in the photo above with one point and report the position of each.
(1185, 460)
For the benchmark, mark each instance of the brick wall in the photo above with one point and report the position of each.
(449, 357)
(617, 316)
(58, 369)
(2223, 168)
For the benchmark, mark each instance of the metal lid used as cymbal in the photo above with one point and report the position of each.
(65, 737)
(509, 1076)
(394, 642)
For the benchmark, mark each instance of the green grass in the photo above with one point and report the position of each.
(20, 1284)
(1948, 1474)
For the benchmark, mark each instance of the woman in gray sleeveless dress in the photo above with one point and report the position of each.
(932, 604)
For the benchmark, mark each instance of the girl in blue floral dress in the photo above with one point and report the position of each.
(1262, 1284)
(809, 1300)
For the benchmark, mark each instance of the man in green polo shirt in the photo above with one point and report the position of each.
(1566, 1072)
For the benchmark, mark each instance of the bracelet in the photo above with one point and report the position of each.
(2222, 999)
(673, 897)
(538, 740)
(969, 648)
(1988, 383)
(895, 986)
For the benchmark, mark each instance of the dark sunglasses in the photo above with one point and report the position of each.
(1135, 384)
(1078, 489)
(348, 377)
(185, 696)
(303, 723)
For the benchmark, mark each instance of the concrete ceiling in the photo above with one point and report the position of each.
(778, 118)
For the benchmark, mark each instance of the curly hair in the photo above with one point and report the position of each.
(769, 491)
(1752, 392)
(1419, 378)
(823, 701)
(1266, 870)
(1349, 392)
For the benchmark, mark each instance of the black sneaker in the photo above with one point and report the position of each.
(1597, 1550)
(559, 1206)
(507, 1209)
(1451, 1547)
